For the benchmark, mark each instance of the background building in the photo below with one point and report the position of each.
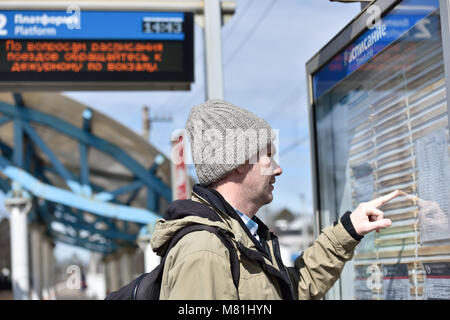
(295, 234)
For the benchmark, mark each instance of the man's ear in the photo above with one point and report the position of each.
(241, 168)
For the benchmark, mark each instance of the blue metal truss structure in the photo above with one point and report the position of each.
(80, 213)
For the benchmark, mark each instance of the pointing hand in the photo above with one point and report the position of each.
(367, 217)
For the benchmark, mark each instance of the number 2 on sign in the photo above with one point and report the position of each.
(3, 20)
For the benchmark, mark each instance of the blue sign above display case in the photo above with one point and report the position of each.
(409, 14)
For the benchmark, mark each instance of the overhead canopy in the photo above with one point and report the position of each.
(93, 173)
(104, 171)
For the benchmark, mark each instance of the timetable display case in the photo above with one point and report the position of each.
(379, 122)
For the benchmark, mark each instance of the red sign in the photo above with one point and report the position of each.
(180, 178)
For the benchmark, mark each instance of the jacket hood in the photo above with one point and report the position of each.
(178, 215)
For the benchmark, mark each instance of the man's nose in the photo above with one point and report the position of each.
(277, 169)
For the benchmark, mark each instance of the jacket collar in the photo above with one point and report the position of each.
(217, 201)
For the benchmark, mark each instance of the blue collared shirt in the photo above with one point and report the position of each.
(251, 225)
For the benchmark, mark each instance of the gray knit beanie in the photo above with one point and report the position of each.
(224, 136)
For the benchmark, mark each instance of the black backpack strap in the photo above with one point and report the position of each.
(136, 286)
(235, 267)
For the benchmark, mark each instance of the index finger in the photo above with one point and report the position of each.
(378, 202)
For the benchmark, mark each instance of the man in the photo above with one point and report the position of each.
(233, 154)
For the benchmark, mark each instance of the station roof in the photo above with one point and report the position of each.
(104, 171)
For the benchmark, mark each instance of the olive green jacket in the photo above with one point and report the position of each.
(198, 266)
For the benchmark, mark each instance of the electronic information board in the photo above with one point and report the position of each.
(95, 49)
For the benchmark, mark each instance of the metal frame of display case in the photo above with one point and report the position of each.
(445, 25)
(349, 33)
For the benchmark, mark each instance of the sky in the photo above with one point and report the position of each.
(265, 47)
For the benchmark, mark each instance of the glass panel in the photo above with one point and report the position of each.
(381, 128)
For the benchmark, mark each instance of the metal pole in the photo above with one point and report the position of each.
(125, 267)
(445, 25)
(96, 277)
(19, 254)
(151, 259)
(19, 206)
(145, 122)
(364, 5)
(46, 247)
(100, 281)
(37, 261)
(113, 273)
(51, 270)
(213, 50)
(195, 6)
